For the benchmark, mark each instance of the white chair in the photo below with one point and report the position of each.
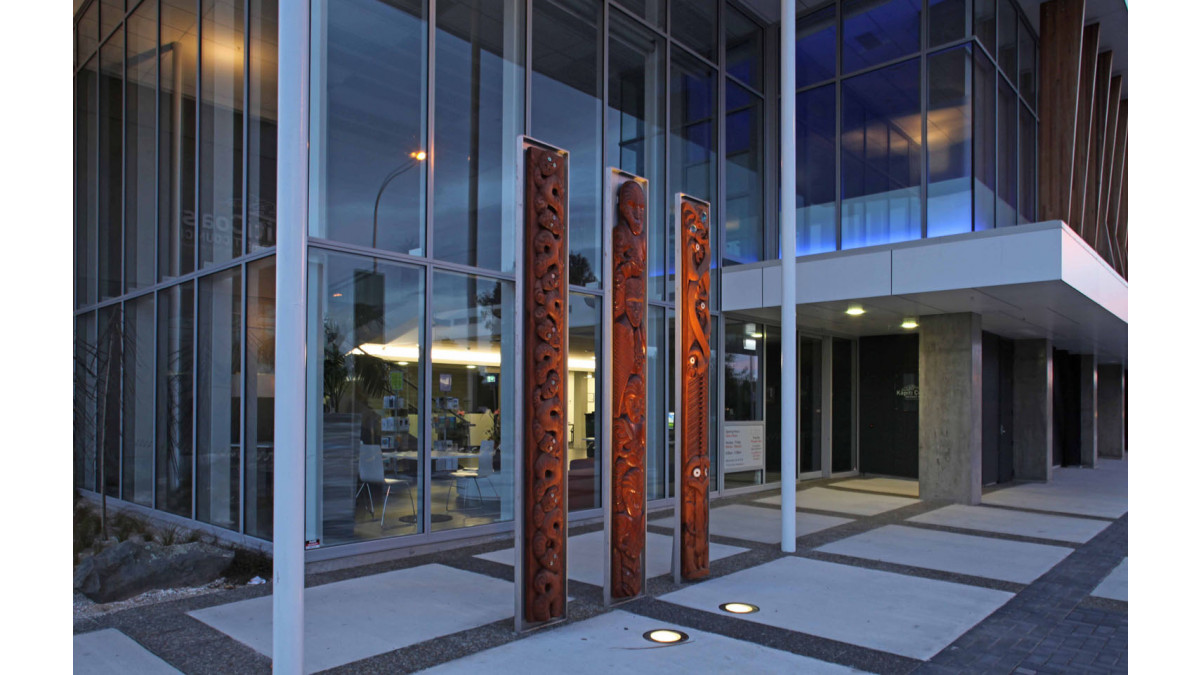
(370, 470)
(487, 451)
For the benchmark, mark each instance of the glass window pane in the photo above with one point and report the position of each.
(584, 424)
(219, 398)
(112, 67)
(472, 466)
(566, 97)
(874, 32)
(745, 352)
(86, 159)
(364, 398)
(637, 127)
(1028, 167)
(370, 150)
(809, 400)
(111, 14)
(173, 457)
(178, 46)
(1028, 65)
(694, 23)
(480, 110)
(262, 120)
(109, 352)
(743, 176)
(657, 459)
(222, 64)
(816, 173)
(1006, 155)
(947, 21)
(87, 33)
(1007, 36)
(843, 405)
(693, 168)
(654, 11)
(138, 417)
(260, 397)
(84, 407)
(984, 122)
(949, 127)
(743, 47)
(816, 48)
(881, 156)
(141, 81)
(985, 23)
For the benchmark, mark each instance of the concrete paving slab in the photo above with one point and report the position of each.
(613, 643)
(1001, 559)
(751, 523)
(1116, 585)
(896, 613)
(350, 620)
(905, 487)
(1102, 494)
(842, 501)
(1006, 521)
(586, 557)
(111, 652)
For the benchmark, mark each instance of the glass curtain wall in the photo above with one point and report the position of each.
(883, 164)
(161, 286)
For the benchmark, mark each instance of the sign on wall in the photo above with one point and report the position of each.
(744, 447)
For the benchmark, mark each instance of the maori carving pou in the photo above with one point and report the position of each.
(545, 374)
(693, 327)
(628, 405)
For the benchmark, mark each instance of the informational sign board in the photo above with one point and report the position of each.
(744, 447)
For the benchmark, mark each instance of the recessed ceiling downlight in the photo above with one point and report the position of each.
(856, 310)
(909, 324)
(665, 636)
(739, 608)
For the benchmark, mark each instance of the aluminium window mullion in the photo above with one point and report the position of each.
(838, 187)
(924, 92)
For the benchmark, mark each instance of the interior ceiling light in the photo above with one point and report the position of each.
(739, 608)
(756, 335)
(909, 324)
(665, 636)
(856, 310)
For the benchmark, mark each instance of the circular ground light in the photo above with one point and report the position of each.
(739, 608)
(665, 636)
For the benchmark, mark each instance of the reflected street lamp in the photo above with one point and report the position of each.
(416, 157)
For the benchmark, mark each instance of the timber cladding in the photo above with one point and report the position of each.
(693, 327)
(545, 528)
(628, 405)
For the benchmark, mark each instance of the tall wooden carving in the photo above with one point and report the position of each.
(544, 554)
(692, 368)
(626, 387)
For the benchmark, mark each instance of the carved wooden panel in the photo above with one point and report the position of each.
(545, 526)
(628, 405)
(692, 305)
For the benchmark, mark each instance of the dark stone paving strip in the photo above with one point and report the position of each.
(909, 570)
(1043, 629)
(1064, 514)
(994, 535)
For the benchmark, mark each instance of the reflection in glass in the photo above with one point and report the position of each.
(84, 402)
(947, 21)
(219, 398)
(364, 398)
(693, 168)
(949, 128)
(222, 64)
(743, 175)
(137, 420)
(141, 79)
(1028, 167)
(109, 353)
(743, 48)
(260, 397)
(843, 405)
(816, 173)
(112, 77)
(636, 126)
(1007, 36)
(1006, 173)
(566, 100)
(85, 182)
(694, 23)
(745, 346)
(654, 11)
(585, 465)
(985, 23)
(178, 48)
(472, 464)
(111, 12)
(881, 156)
(261, 121)
(984, 122)
(87, 33)
(809, 395)
(173, 458)
(369, 124)
(816, 48)
(656, 417)
(1028, 72)
(480, 110)
(874, 32)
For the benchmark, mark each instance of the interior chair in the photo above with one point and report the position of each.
(370, 470)
(487, 451)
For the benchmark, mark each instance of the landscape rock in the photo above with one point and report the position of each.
(131, 568)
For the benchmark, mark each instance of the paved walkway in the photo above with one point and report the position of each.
(1034, 580)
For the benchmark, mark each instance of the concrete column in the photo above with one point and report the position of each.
(950, 412)
(1087, 410)
(1110, 405)
(1033, 409)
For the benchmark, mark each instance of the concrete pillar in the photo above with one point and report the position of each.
(950, 412)
(1087, 410)
(1110, 405)
(1033, 409)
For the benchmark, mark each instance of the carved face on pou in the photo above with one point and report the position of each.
(633, 205)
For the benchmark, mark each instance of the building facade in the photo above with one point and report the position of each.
(952, 302)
